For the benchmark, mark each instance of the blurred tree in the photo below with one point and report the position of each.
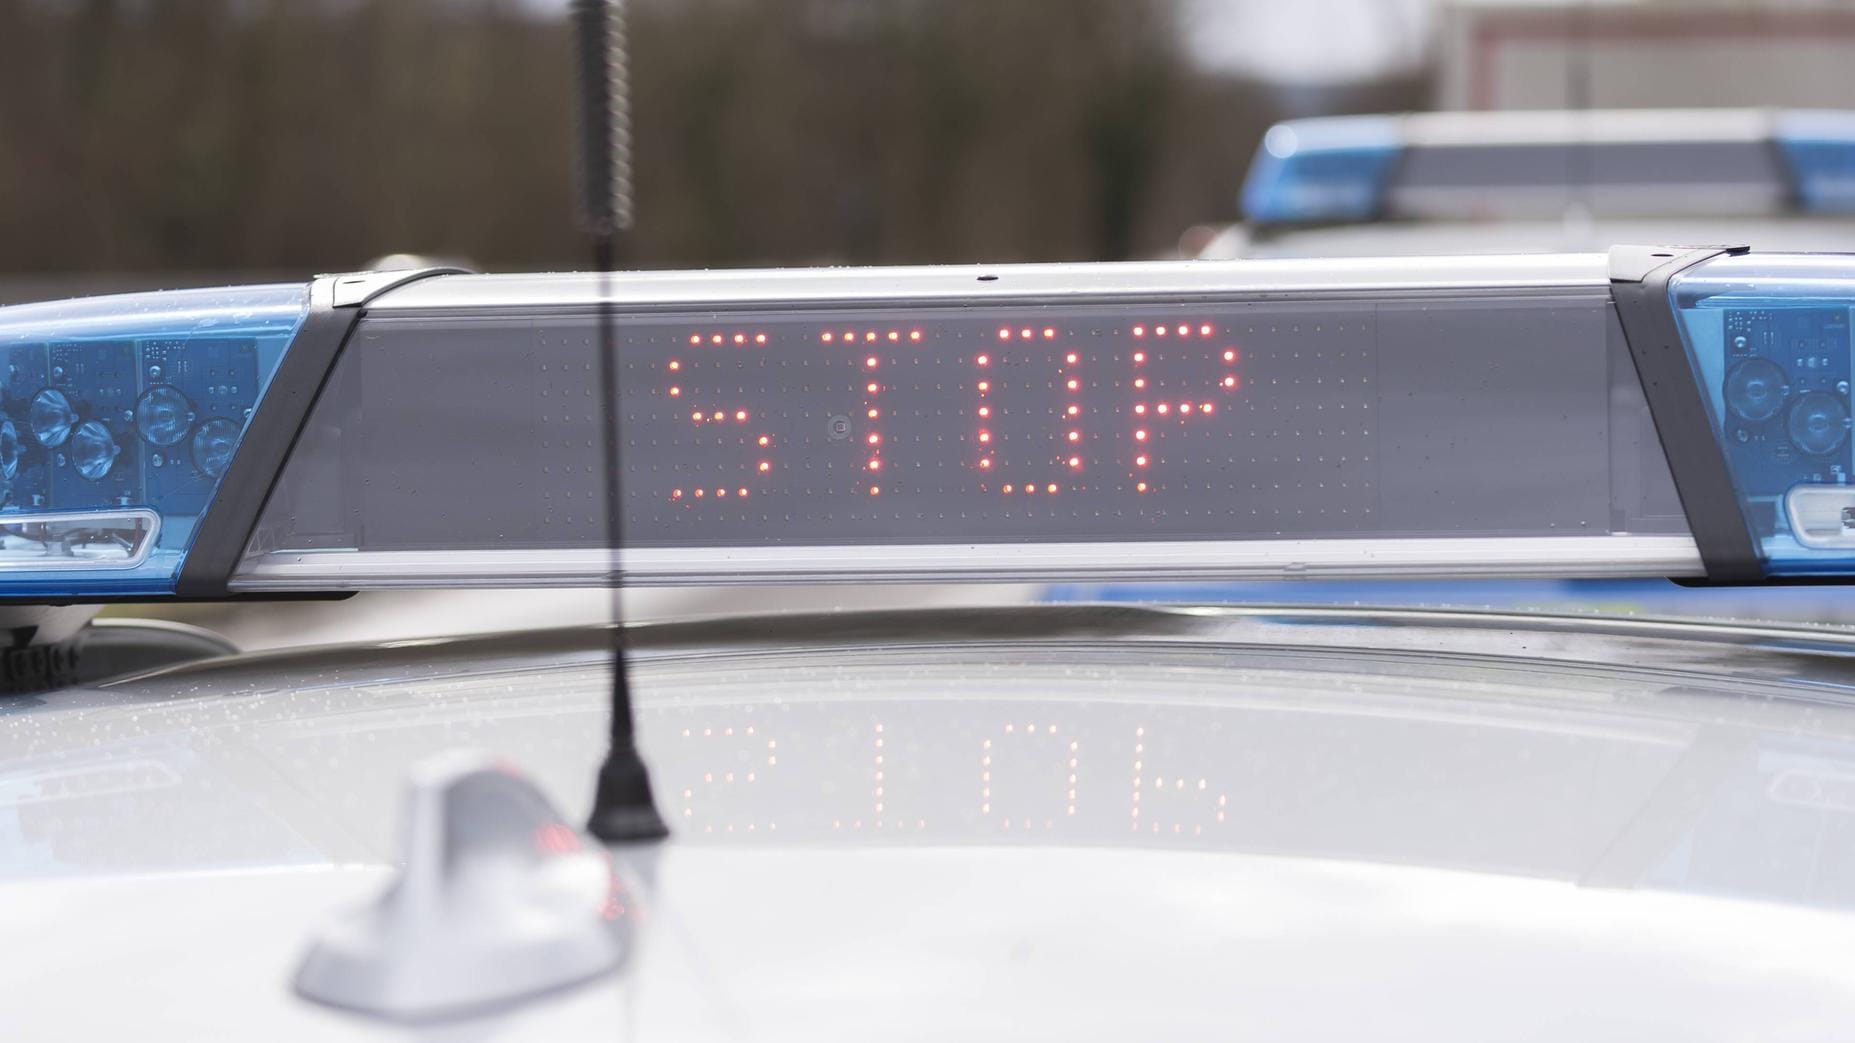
(148, 135)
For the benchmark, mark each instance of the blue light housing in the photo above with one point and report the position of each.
(118, 415)
(1769, 340)
(1329, 169)
(1819, 149)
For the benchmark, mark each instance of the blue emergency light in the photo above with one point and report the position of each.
(1680, 413)
(1639, 163)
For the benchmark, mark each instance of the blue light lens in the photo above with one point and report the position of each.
(213, 446)
(1769, 338)
(106, 393)
(1819, 149)
(52, 417)
(1330, 169)
(163, 416)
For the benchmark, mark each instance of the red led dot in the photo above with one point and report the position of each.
(870, 337)
(873, 414)
(766, 465)
(1139, 461)
(1230, 355)
(1185, 331)
(1026, 334)
(1161, 330)
(1139, 357)
(1072, 384)
(1141, 487)
(1070, 358)
(675, 365)
(985, 464)
(1049, 333)
(1029, 488)
(675, 392)
(742, 491)
(875, 490)
(695, 338)
(759, 338)
(1007, 490)
(895, 335)
(983, 360)
(1205, 330)
(1051, 488)
(1164, 409)
(870, 362)
(740, 338)
(740, 416)
(1230, 382)
(699, 493)
(1140, 382)
(875, 464)
(1075, 463)
(985, 410)
(720, 416)
(1075, 436)
(676, 494)
(914, 334)
(874, 438)
(1073, 410)
(764, 440)
(1185, 407)
(721, 492)
(985, 437)
(716, 339)
(1004, 334)
(1140, 409)
(696, 416)
(985, 385)
(1139, 331)
(871, 388)
(1140, 435)
(1204, 407)
(849, 335)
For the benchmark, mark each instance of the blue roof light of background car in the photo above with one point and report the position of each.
(1819, 148)
(1331, 169)
(1789, 316)
(108, 400)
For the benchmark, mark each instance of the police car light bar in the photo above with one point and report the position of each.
(1455, 417)
(1477, 164)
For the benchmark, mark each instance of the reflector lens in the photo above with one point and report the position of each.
(52, 417)
(163, 415)
(93, 450)
(213, 446)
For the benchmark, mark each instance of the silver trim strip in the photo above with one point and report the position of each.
(977, 284)
(1617, 556)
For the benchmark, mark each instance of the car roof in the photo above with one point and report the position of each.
(872, 812)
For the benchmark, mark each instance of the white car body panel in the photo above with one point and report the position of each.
(1362, 825)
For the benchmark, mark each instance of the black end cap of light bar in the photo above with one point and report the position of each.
(1639, 277)
(335, 306)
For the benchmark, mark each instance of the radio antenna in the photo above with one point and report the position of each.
(623, 808)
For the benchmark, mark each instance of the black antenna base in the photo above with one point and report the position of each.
(623, 808)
